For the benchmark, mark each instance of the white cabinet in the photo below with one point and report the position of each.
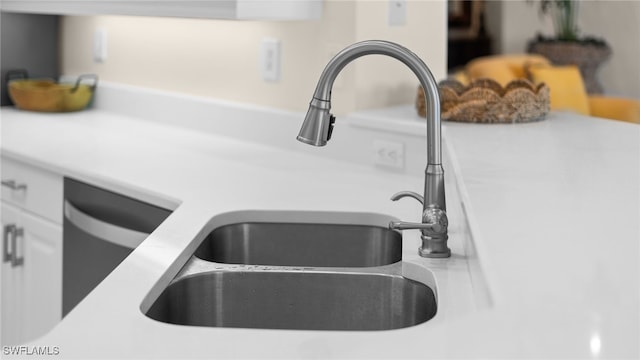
(31, 252)
(11, 283)
(213, 9)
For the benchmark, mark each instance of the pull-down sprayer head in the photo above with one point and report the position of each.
(318, 124)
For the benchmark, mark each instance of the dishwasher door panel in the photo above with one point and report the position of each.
(101, 228)
(87, 260)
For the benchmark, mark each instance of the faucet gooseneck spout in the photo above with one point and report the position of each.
(318, 125)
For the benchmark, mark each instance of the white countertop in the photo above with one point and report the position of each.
(554, 209)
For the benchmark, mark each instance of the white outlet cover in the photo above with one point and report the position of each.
(389, 154)
(270, 55)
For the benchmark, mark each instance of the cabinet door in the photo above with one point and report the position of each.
(34, 302)
(11, 289)
(42, 279)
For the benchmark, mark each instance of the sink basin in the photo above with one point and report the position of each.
(256, 271)
(302, 244)
(297, 300)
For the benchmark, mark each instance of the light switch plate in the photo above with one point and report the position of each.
(397, 12)
(100, 42)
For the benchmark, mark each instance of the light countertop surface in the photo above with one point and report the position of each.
(551, 210)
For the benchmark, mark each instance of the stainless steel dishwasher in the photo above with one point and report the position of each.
(100, 230)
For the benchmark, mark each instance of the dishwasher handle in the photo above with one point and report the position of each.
(103, 230)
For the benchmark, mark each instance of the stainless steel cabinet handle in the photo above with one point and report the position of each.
(13, 185)
(103, 230)
(6, 233)
(15, 260)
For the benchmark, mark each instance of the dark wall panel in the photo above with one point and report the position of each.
(28, 42)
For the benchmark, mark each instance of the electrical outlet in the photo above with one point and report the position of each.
(397, 12)
(270, 59)
(100, 41)
(388, 154)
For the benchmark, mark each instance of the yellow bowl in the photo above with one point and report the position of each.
(48, 96)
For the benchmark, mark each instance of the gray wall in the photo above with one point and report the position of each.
(28, 42)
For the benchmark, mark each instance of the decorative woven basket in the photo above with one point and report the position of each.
(486, 101)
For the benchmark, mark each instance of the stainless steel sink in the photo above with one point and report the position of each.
(302, 300)
(258, 271)
(302, 244)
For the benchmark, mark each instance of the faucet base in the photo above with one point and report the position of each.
(433, 247)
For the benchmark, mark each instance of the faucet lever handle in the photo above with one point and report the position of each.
(405, 225)
(399, 195)
(432, 228)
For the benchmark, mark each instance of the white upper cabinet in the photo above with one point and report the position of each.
(212, 9)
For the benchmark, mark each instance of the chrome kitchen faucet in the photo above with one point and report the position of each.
(318, 125)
